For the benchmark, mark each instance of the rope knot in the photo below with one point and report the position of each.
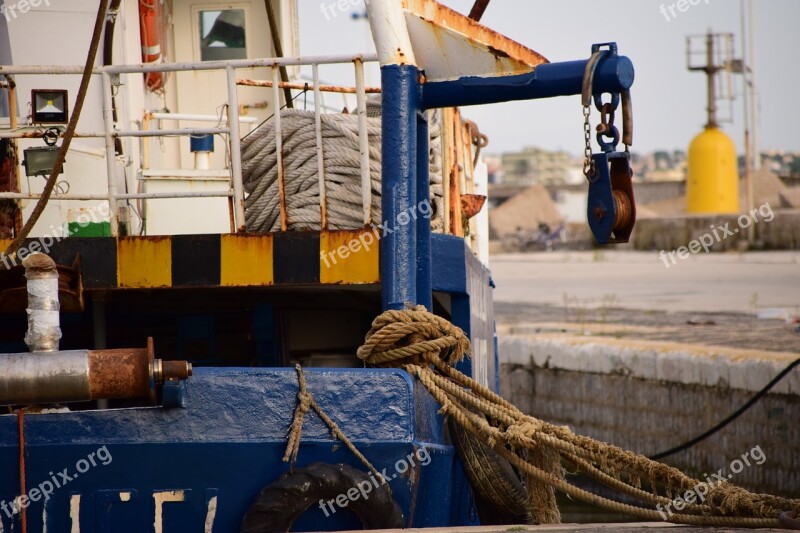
(305, 400)
(519, 435)
(413, 336)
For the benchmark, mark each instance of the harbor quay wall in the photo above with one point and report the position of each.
(649, 408)
(670, 233)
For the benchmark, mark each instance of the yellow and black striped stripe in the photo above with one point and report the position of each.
(288, 258)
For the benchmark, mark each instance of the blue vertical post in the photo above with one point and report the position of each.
(424, 276)
(400, 105)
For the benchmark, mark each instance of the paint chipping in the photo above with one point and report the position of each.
(75, 513)
(211, 515)
(160, 499)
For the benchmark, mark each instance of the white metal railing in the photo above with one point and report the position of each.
(232, 129)
(144, 148)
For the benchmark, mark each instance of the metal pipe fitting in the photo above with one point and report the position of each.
(44, 331)
(84, 375)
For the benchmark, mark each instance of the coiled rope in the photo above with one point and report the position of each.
(342, 164)
(427, 347)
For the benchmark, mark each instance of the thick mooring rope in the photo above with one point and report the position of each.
(427, 346)
(342, 164)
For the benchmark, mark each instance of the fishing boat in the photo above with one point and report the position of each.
(183, 334)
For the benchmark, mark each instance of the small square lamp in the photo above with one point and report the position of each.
(49, 106)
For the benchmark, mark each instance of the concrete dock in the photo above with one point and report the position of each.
(622, 349)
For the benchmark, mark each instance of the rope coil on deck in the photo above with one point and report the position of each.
(427, 346)
(342, 164)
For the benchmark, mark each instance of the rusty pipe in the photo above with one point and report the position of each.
(306, 86)
(84, 375)
(476, 13)
(12, 103)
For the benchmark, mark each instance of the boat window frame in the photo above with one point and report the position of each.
(198, 8)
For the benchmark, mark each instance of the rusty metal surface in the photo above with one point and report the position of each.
(10, 214)
(123, 373)
(622, 206)
(306, 86)
(471, 204)
(627, 119)
(478, 8)
(83, 375)
(14, 295)
(176, 370)
(622, 191)
(456, 218)
(448, 19)
(282, 193)
(131, 372)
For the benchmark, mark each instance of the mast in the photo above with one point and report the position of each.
(753, 87)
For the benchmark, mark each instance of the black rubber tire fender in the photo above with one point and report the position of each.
(280, 503)
(500, 496)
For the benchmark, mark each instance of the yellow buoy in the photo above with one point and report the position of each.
(712, 184)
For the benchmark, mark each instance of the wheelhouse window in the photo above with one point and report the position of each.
(222, 35)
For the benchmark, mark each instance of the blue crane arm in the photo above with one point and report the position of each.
(613, 75)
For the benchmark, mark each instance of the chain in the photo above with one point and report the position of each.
(588, 163)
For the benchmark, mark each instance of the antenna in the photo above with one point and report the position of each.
(717, 49)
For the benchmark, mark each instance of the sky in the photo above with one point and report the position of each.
(669, 101)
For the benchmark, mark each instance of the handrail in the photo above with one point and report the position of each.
(140, 68)
(230, 127)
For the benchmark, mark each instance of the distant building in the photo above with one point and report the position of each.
(659, 166)
(780, 162)
(534, 166)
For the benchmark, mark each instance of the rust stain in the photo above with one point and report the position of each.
(176, 370)
(10, 214)
(282, 191)
(323, 213)
(472, 204)
(121, 373)
(302, 86)
(496, 42)
(599, 213)
(496, 52)
(127, 372)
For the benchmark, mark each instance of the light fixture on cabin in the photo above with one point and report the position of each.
(39, 161)
(50, 106)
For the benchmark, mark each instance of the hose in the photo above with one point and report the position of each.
(757, 396)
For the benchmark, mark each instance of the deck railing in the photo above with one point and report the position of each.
(232, 129)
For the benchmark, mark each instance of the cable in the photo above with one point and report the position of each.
(731, 418)
(23, 489)
(276, 44)
(73, 123)
(270, 117)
